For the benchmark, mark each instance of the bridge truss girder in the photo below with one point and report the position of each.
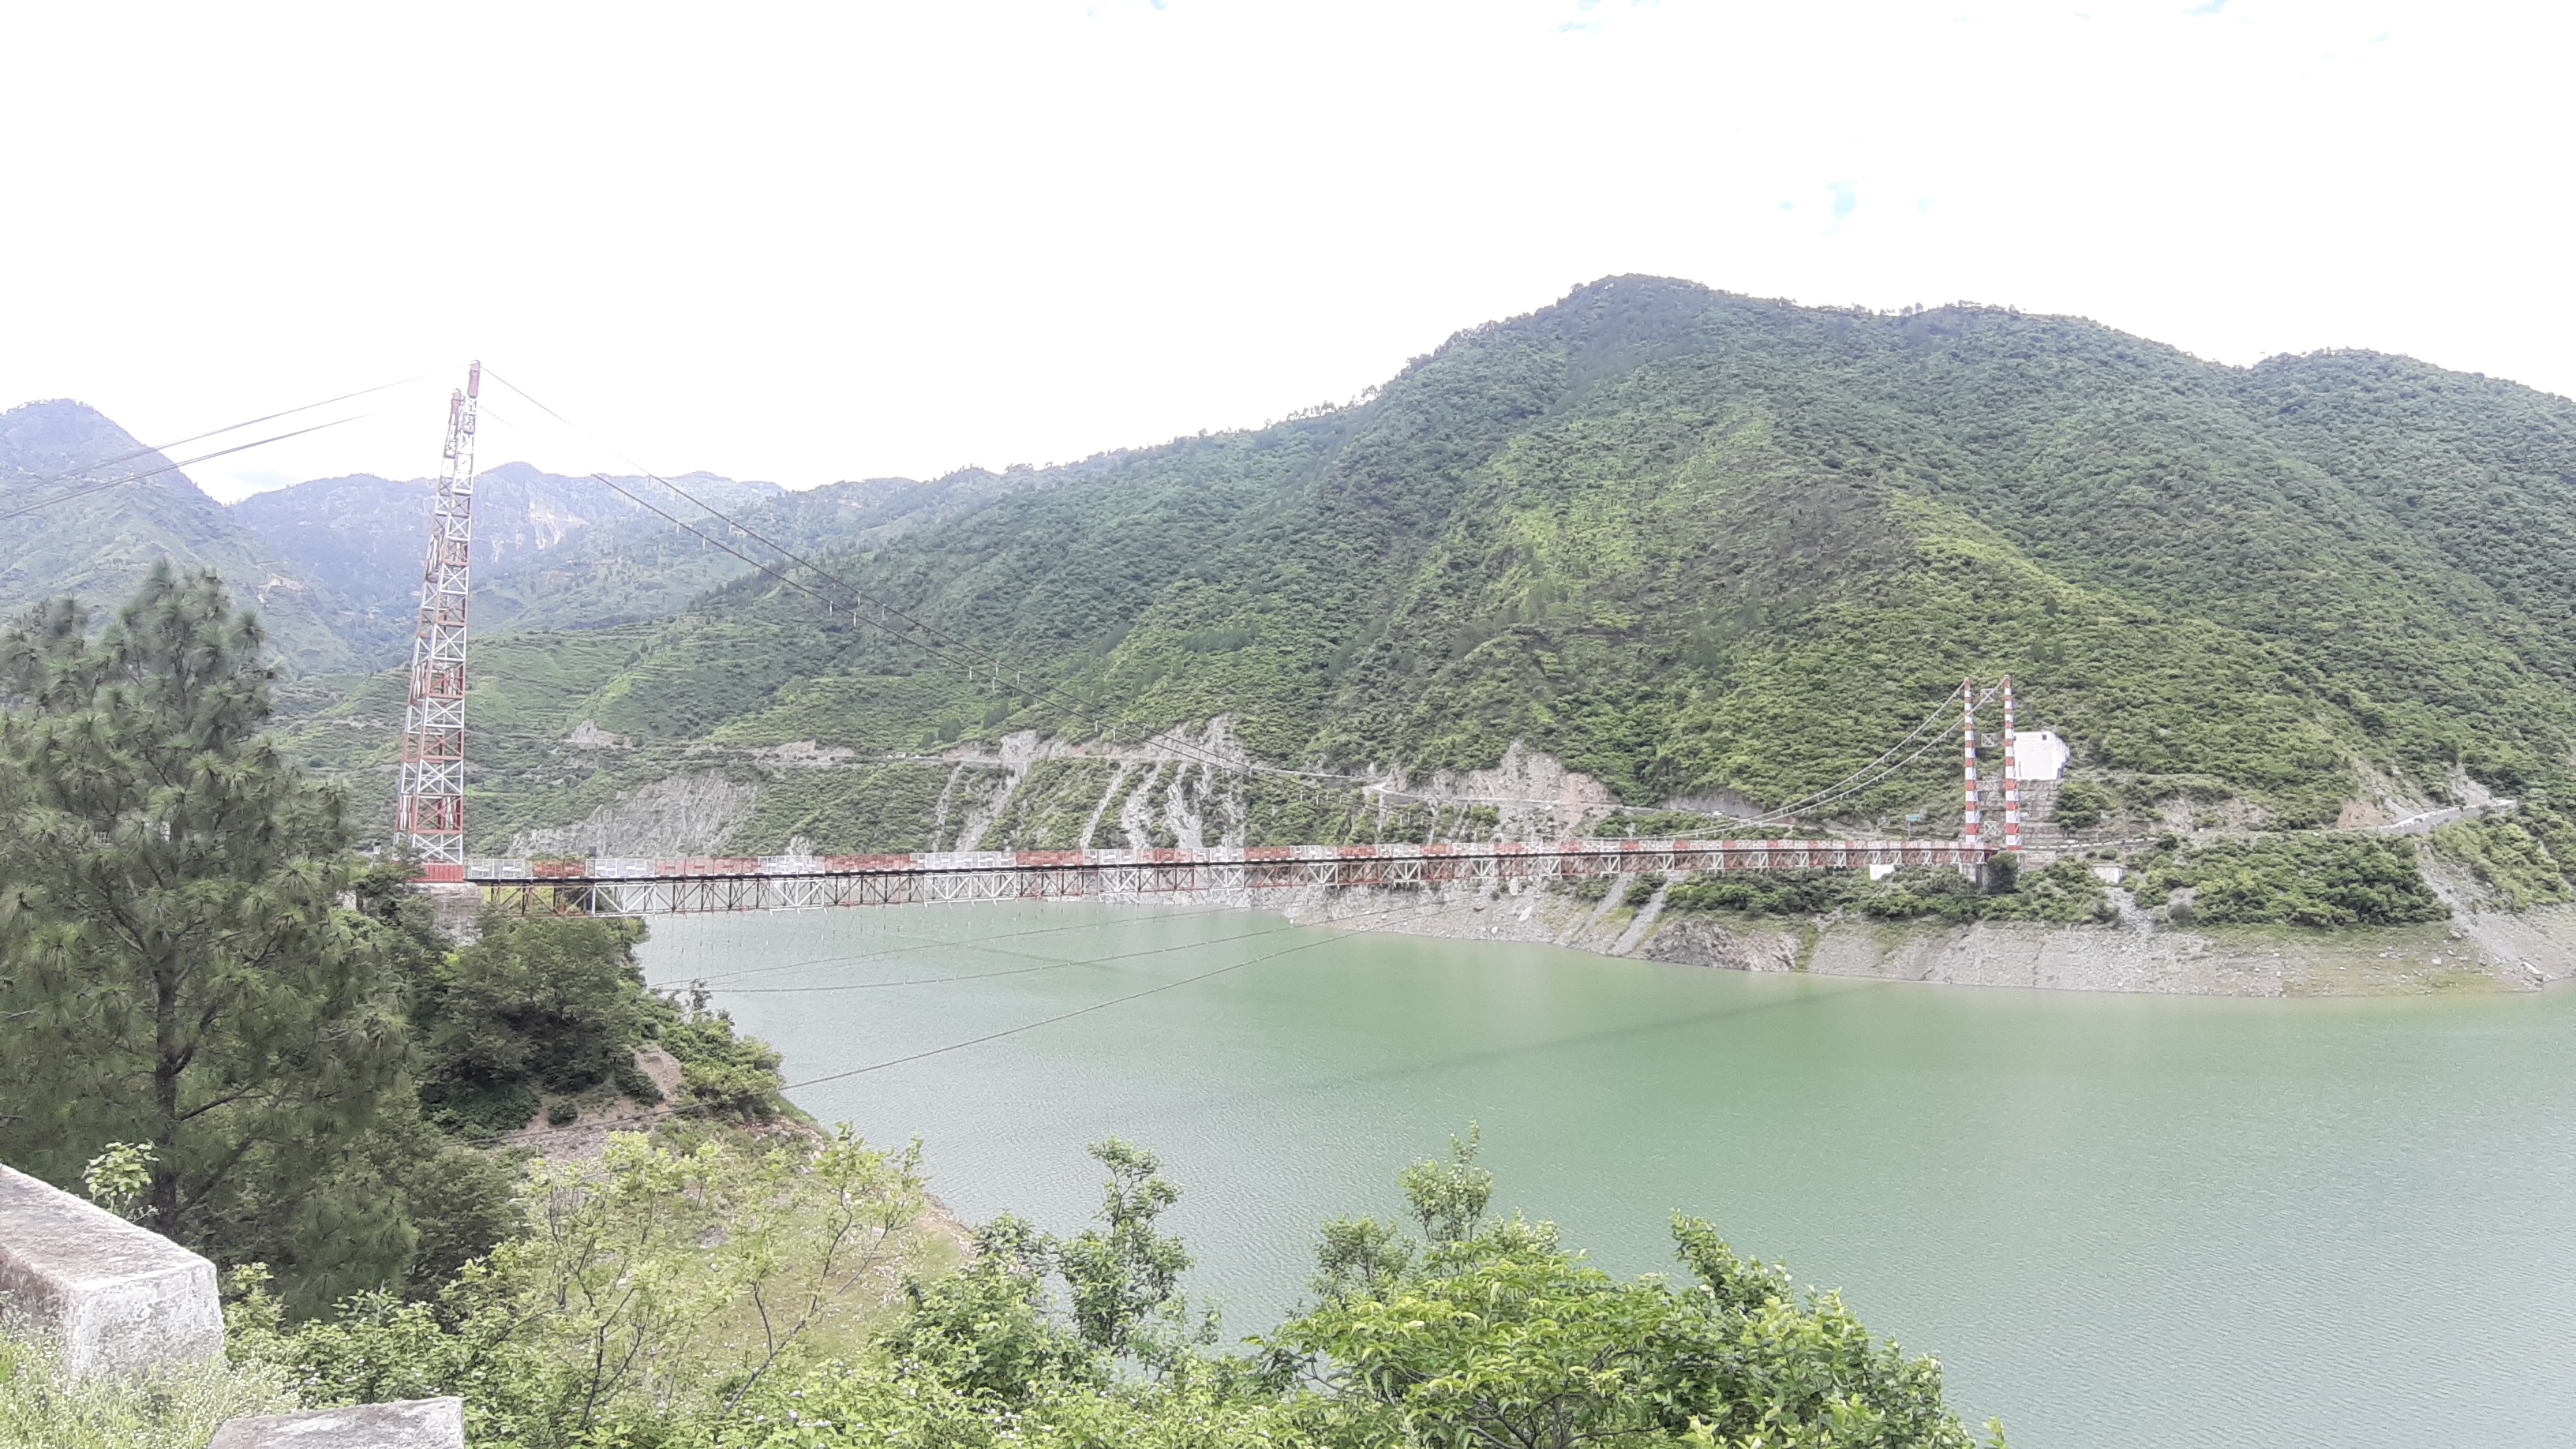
(1236, 881)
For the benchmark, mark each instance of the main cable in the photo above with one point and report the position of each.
(1939, 711)
(1877, 772)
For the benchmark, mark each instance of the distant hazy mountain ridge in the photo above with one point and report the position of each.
(364, 537)
(98, 544)
(335, 563)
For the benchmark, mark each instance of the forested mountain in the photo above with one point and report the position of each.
(98, 542)
(1693, 545)
(1697, 544)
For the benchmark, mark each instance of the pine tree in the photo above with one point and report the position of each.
(173, 970)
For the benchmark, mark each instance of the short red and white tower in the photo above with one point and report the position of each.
(2012, 775)
(1973, 825)
(429, 815)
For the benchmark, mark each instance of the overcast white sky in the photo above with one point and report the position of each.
(808, 242)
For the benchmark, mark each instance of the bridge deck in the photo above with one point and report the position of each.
(639, 886)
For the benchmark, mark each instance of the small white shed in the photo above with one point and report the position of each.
(2039, 754)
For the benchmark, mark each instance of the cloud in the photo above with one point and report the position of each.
(1846, 199)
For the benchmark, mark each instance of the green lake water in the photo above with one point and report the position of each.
(2117, 1220)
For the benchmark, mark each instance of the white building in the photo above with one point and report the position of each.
(2039, 754)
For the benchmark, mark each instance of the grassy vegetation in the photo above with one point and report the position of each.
(1690, 543)
(750, 1290)
(848, 810)
(2524, 859)
(2064, 893)
(175, 1407)
(1052, 805)
(2081, 804)
(1767, 893)
(2300, 880)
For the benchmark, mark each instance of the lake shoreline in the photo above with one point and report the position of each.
(2475, 952)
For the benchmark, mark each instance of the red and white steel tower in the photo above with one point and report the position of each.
(430, 816)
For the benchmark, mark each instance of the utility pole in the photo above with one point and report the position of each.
(430, 815)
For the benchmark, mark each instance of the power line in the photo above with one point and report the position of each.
(1339, 933)
(201, 437)
(990, 975)
(1052, 1020)
(970, 943)
(167, 468)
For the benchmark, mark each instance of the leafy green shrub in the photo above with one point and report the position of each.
(2298, 880)
(733, 1076)
(2003, 874)
(708, 1267)
(481, 1108)
(737, 1279)
(544, 1004)
(1494, 1333)
(2081, 803)
(2524, 859)
(2065, 893)
(1922, 890)
(632, 1080)
(1768, 893)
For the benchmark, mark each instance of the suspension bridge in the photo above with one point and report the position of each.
(430, 813)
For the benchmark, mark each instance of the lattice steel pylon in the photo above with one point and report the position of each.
(430, 815)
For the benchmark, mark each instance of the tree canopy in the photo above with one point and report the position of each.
(174, 971)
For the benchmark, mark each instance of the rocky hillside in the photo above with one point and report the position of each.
(1695, 547)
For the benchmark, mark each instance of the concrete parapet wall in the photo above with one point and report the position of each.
(410, 1424)
(118, 1297)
